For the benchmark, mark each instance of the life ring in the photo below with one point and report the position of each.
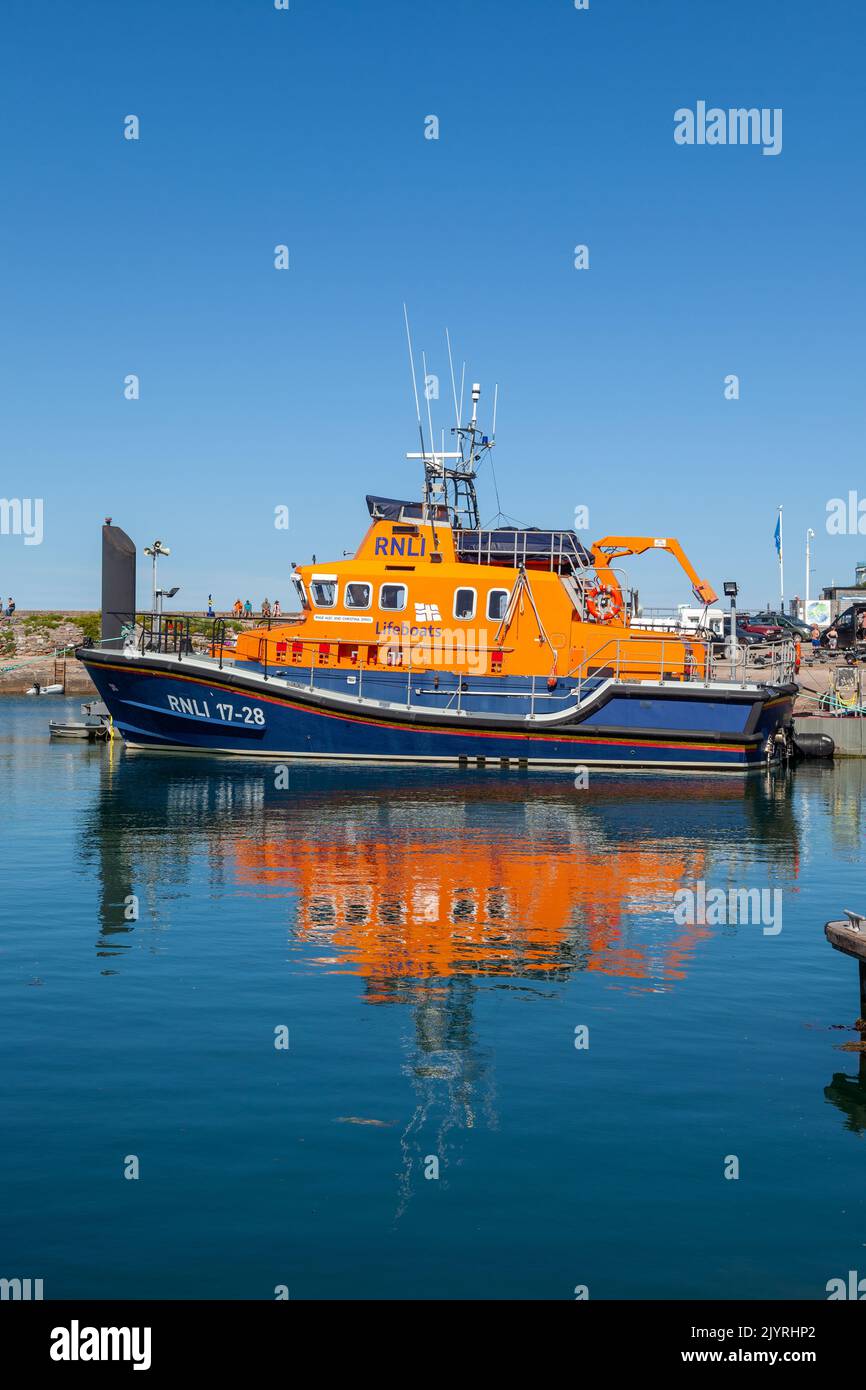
(603, 603)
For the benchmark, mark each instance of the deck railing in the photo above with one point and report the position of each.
(165, 633)
(643, 656)
(556, 550)
(690, 658)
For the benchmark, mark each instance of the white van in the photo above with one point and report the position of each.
(683, 619)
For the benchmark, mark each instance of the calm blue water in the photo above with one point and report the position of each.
(431, 941)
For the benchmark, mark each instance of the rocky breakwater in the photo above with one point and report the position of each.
(28, 643)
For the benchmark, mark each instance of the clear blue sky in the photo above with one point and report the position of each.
(306, 127)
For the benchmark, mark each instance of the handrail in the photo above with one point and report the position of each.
(775, 660)
(490, 694)
(532, 690)
(573, 674)
(263, 656)
(478, 542)
(218, 635)
(165, 633)
(621, 657)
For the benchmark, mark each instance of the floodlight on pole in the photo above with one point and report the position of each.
(154, 551)
(731, 591)
(163, 594)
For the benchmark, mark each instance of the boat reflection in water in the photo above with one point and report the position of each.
(447, 880)
(432, 877)
(431, 887)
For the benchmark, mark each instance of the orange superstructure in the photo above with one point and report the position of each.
(422, 593)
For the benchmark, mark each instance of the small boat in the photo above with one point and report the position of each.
(445, 641)
(93, 730)
(38, 689)
(94, 727)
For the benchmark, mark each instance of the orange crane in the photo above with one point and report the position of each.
(611, 548)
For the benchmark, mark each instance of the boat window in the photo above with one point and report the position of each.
(464, 604)
(300, 590)
(392, 596)
(357, 596)
(497, 604)
(324, 592)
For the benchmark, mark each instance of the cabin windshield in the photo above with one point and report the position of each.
(300, 590)
(324, 592)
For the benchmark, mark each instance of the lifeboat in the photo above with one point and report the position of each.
(443, 640)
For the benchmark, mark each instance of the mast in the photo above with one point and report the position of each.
(449, 477)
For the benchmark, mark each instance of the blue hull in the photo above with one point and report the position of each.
(161, 702)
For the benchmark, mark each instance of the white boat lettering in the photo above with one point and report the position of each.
(199, 709)
(247, 714)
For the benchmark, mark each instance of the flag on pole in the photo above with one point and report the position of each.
(777, 536)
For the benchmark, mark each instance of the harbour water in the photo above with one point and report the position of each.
(432, 945)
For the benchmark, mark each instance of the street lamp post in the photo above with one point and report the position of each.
(731, 592)
(154, 551)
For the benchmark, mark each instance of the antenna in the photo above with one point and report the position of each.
(453, 383)
(450, 472)
(429, 414)
(412, 369)
(414, 381)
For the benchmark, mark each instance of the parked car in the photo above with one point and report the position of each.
(792, 627)
(745, 639)
(768, 632)
(849, 628)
